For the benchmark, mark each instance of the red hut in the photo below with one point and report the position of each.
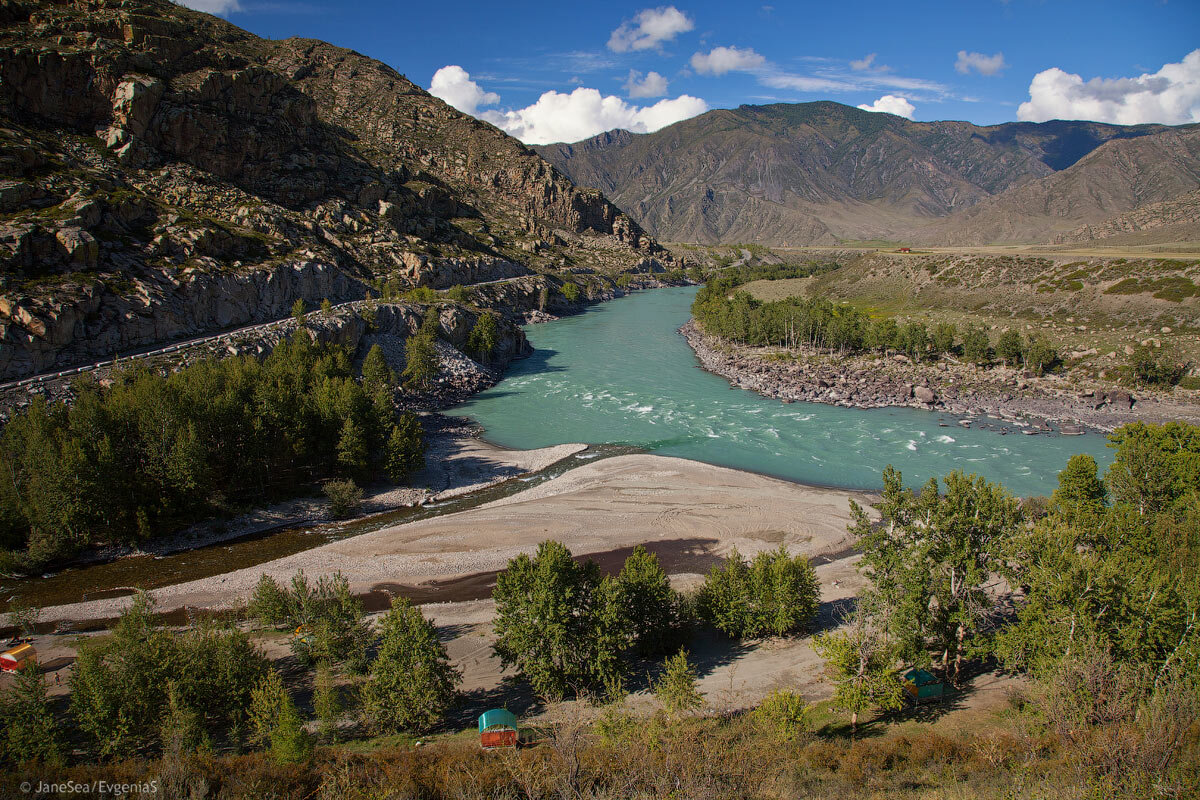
(498, 728)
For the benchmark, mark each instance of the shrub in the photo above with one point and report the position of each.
(344, 498)
(781, 715)
(459, 293)
(421, 294)
(570, 291)
(774, 594)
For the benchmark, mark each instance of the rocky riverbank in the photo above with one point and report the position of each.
(962, 390)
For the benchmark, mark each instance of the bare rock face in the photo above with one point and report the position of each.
(924, 394)
(164, 173)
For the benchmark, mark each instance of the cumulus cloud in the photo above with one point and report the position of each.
(720, 60)
(212, 6)
(983, 64)
(891, 104)
(649, 28)
(652, 85)
(558, 117)
(454, 85)
(1170, 96)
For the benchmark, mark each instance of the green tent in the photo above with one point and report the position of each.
(497, 718)
(922, 685)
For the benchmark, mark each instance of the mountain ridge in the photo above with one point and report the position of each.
(816, 173)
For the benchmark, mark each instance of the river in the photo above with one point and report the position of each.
(620, 373)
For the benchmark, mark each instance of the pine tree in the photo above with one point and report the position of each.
(421, 361)
(411, 682)
(405, 448)
(378, 377)
(352, 450)
(29, 731)
(482, 341)
(676, 688)
(327, 702)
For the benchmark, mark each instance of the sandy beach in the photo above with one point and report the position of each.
(688, 512)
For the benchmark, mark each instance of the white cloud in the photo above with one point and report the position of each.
(867, 62)
(558, 117)
(891, 104)
(804, 83)
(212, 6)
(1170, 96)
(653, 85)
(983, 64)
(720, 60)
(454, 85)
(649, 28)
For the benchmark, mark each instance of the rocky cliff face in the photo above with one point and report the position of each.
(813, 173)
(164, 173)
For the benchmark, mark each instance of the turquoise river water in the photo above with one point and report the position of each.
(621, 374)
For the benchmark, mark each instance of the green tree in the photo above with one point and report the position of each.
(914, 340)
(1150, 368)
(269, 603)
(863, 667)
(775, 594)
(931, 560)
(327, 701)
(412, 683)
(326, 307)
(1079, 486)
(653, 608)
(976, 346)
(345, 497)
(405, 448)
(570, 291)
(482, 341)
(421, 361)
(1009, 348)
(299, 311)
(378, 377)
(1040, 355)
(30, 735)
(353, 450)
(459, 293)
(676, 687)
(557, 622)
(290, 742)
(942, 340)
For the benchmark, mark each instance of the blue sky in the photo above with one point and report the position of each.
(549, 71)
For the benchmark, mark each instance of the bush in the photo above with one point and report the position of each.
(459, 293)
(570, 291)
(781, 715)
(774, 594)
(421, 294)
(269, 603)
(344, 498)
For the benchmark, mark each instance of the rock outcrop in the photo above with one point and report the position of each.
(164, 173)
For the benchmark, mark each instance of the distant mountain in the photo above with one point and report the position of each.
(1119, 177)
(814, 173)
(1175, 220)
